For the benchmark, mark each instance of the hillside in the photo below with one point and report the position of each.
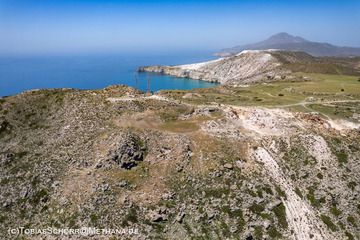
(285, 41)
(275, 161)
(251, 66)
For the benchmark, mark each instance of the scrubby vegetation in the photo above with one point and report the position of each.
(191, 171)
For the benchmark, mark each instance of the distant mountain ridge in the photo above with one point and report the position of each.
(285, 41)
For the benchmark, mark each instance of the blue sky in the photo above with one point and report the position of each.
(65, 26)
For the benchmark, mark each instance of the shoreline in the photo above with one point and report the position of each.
(176, 71)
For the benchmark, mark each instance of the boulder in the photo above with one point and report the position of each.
(228, 166)
(180, 217)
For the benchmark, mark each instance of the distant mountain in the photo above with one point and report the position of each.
(285, 41)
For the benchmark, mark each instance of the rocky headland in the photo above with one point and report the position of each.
(254, 66)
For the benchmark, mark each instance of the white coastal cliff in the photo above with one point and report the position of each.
(246, 67)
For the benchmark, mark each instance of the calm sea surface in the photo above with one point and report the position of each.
(92, 72)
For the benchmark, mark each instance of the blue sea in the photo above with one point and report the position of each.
(94, 71)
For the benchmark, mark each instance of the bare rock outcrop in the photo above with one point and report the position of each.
(130, 151)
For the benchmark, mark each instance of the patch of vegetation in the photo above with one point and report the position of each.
(298, 192)
(21, 154)
(334, 210)
(280, 192)
(352, 185)
(187, 228)
(274, 233)
(130, 217)
(268, 190)
(224, 230)
(265, 216)
(329, 223)
(281, 215)
(309, 161)
(259, 193)
(172, 114)
(351, 219)
(258, 232)
(342, 226)
(5, 128)
(257, 208)
(41, 195)
(349, 236)
(251, 192)
(2, 218)
(180, 126)
(93, 218)
(216, 193)
(311, 197)
(236, 213)
(4, 181)
(72, 221)
(342, 157)
(319, 176)
(296, 155)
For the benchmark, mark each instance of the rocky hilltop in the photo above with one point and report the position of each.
(204, 164)
(251, 66)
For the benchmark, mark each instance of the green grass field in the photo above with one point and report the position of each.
(333, 95)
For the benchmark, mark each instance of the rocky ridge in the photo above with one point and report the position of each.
(252, 66)
(116, 158)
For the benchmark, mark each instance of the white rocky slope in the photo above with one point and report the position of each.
(245, 67)
(299, 214)
(271, 128)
